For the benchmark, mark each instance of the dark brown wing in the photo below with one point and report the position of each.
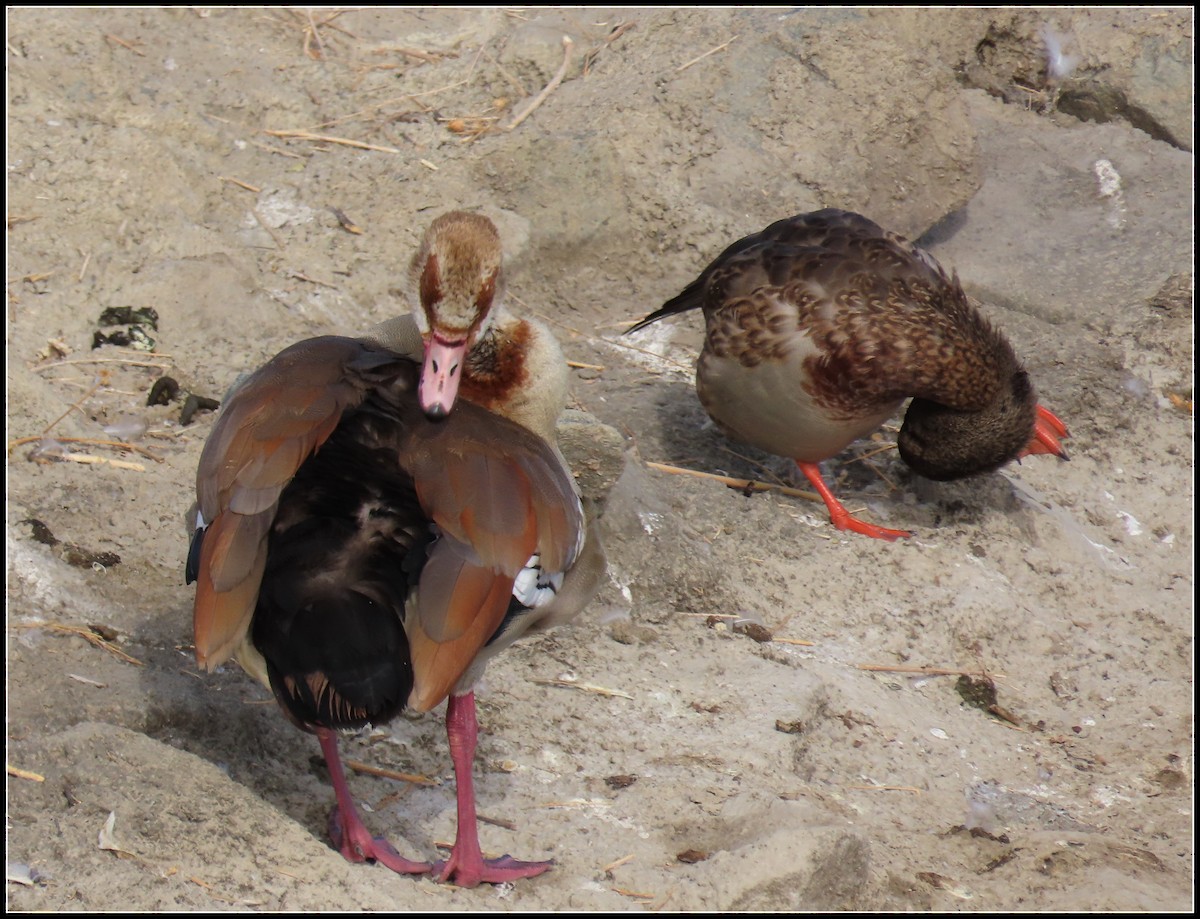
(269, 426)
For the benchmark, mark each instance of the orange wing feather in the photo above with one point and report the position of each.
(500, 495)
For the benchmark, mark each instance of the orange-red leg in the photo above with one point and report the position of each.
(1047, 430)
(466, 864)
(839, 516)
(350, 836)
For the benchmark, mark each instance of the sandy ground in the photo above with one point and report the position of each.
(821, 769)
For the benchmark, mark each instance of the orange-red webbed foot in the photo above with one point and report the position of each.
(842, 518)
(1047, 431)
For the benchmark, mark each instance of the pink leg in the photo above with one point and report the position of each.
(839, 516)
(466, 864)
(350, 836)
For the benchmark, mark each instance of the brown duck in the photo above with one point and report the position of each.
(379, 517)
(820, 326)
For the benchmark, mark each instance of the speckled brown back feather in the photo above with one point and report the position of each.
(887, 320)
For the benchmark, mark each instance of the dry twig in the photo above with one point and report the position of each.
(608, 869)
(612, 36)
(585, 687)
(431, 57)
(914, 790)
(633, 893)
(270, 149)
(929, 671)
(746, 485)
(568, 43)
(24, 773)
(240, 184)
(87, 459)
(103, 360)
(365, 769)
(697, 60)
(116, 444)
(328, 139)
(128, 46)
(345, 222)
(88, 634)
(620, 343)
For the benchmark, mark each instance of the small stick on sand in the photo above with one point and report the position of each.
(633, 893)
(866, 456)
(240, 184)
(915, 791)
(658, 357)
(118, 444)
(87, 634)
(697, 60)
(126, 45)
(311, 34)
(739, 484)
(568, 43)
(345, 222)
(301, 276)
(35, 777)
(326, 138)
(73, 407)
(390, 774)
(88, 459)
(431, 57)
(270, 149)
(585, 687)
(102, 360)
(929, 671)
(607, 869)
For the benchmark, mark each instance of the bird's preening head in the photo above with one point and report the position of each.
(942, 443)
(457, 274)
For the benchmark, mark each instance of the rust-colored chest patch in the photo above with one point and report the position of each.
(496, 366)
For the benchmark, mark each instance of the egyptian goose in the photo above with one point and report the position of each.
(367, 541)
(820, 326)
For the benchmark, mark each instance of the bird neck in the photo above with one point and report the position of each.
(517, 370)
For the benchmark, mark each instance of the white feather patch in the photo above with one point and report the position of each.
(534, 587)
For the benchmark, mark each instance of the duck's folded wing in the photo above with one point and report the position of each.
(500, 495)
(269, 426)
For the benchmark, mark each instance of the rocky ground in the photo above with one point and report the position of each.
(744, 719)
